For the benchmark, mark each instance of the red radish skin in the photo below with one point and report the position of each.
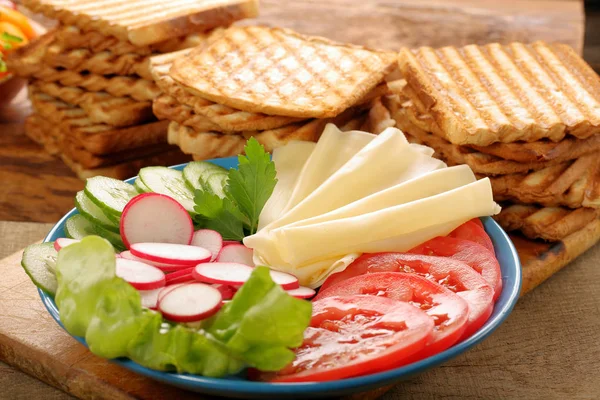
(227, 273)
(169, 253)
(190, 303)
(150, 298)
(208, 239)
(139, 275)
(63, 242)
(285, 280)
(228, 242)
(154, 217)
(181, 276)
(162, 266)
(226, 291)
(237, 253)
(302, 292)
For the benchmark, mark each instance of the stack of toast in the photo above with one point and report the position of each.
(525, 115)
(269, 83)
(89, 80)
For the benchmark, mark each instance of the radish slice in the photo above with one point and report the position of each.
(167, 289)
(228, 242)
(189, 303)
(139, 275)
(63, 242)
(168, 253)
(154, 217)
(181, 276)
(302, 292)
(226, 291)
(208, 239)
(150, 298)
(162, 266)
(287, 281)
(236, 253)
(219, 272)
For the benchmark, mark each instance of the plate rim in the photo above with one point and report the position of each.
(502, 244)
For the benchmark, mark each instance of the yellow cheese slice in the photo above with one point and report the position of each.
(303, 244)
(332, 151)
(289, 161)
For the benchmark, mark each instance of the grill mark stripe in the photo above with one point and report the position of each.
(500, 91)
(428, 60)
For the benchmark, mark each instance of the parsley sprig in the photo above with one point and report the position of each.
(247, 190)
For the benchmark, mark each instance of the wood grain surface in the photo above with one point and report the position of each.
(546, 349)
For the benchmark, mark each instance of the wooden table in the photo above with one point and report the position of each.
(548, 348)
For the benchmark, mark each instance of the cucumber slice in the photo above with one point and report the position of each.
(92, 212)
(78, 227)
(196, 171)
(35, 263)
(216, 183)
(111, 195)
(169, 182)
(140, 187)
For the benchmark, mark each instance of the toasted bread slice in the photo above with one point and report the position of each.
(100, 107)
(71, 37)
(101, 63)
(36, 131)
(95, 138)
(227, 119)
(480, 95)
(548, 223)
(118, 86)
(573, 184)
(452, 154)
(279, 72)
(208, 145)
(167, 108)
(126, 169)
(145, 22)
(543, 150)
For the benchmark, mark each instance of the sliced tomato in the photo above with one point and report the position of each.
(453, 274)
(474, 232)
(475, 255)
(357, 335)
(478, 222)
(448, 310)
(17, 19)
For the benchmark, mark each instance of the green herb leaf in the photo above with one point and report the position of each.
(251, 185)
(219, 214)
(7, 37)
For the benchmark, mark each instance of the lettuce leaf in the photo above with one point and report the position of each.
(256, 329)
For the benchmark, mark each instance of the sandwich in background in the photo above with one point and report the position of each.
(269, 83)
(528, 117)
(90, 84)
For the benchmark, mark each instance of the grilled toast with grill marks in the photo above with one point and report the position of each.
(280, 72)
(145, 22)
(480, 95)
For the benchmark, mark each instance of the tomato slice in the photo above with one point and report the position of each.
(475, 255)
(357, 335)
(453, 274)
(478, 222)
(448, 310)
(474, 232)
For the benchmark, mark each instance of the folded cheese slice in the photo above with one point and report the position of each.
(312, 242)
(289, 161)
(332, 151)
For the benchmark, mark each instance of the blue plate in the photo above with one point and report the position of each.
(240, 387)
